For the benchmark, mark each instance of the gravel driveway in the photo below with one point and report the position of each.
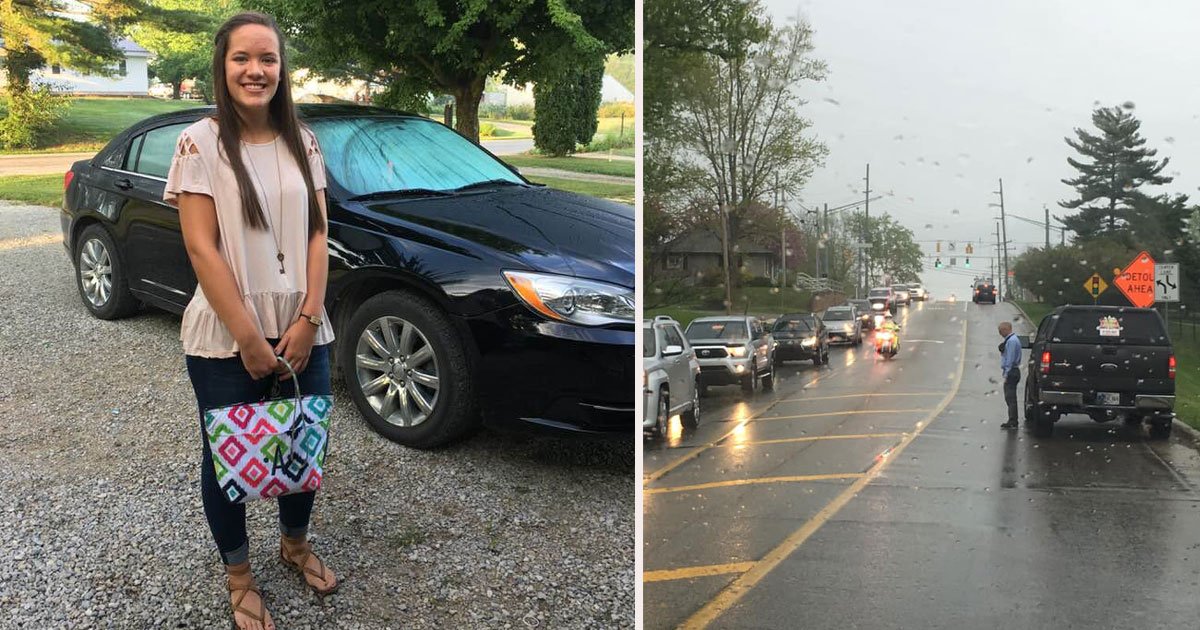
(101, 523)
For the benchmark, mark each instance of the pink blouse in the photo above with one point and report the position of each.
(273, 299)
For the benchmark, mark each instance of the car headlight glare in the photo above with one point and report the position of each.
(573, 300)
(811, 341)
(848, 327)
(737, 352)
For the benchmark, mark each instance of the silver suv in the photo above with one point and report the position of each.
(670, 376)
(733, 349)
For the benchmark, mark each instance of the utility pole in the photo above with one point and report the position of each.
(1047, 210)
(867, 233)
(828, 243)
(1001, 283)
(782, 240)
(1004, 230)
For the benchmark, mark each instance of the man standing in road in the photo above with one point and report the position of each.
(1010, 360)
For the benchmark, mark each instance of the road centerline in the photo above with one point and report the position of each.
(734, 591)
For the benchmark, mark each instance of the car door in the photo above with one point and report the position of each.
(154, 249)
(678, 367)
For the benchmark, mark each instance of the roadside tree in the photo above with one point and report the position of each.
(180, 55)
(444, 46)
(894, 251)
(567, 105)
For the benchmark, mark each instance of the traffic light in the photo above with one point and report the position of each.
(968, 262)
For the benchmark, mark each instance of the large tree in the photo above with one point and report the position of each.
(180, 55)
(452, 46)
(894, 250)
(38, 32)
(1116, 165)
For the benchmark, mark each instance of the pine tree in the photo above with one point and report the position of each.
(1108, 184)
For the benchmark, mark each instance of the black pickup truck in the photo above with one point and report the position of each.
(1107, 362)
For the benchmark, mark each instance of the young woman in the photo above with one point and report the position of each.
(249, 184)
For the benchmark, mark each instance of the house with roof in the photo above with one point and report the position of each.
(132, 76)
(698, 252)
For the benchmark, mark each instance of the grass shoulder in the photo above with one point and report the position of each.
(619, 168)
(616, 192)
(39, 190)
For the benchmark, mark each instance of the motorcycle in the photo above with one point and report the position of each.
(887, 343)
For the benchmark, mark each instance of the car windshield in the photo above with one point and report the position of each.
(833, 315)
(648, 343)
(734, 330)
(377, 154)
(793, 324)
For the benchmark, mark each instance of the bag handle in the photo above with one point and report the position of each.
(295, 379)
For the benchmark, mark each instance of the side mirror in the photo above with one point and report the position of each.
(1025, 342)
(672, 351)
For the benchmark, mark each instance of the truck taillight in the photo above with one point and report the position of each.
(67, 179)
(1171, 366)
(1045, 363)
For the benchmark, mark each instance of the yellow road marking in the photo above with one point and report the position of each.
(808, 398)
(29, 241)
(733, 592)
(753, 481)
(688, 573)
(817, 438)
(839, 413)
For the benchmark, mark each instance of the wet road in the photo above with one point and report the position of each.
(869, 494)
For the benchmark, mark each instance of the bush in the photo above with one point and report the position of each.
(758, 281)
(492, 111)
(567, 104)
(487, 129)
(30, 115)
(611, 141)
(614, 110)
(521, 112)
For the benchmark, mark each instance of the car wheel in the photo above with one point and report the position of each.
(749, 380)
(407, 371)
(663, 417)
(100, 275)
(691, 417)
(768, 381)
(702, 390)
(1160, 429)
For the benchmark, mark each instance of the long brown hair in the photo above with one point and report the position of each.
(281, 112)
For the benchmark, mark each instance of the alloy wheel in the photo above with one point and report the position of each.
(397, 370)
(95, 272)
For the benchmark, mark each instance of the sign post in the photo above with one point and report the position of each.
(1136, 281)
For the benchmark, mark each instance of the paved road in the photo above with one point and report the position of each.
(870, 494)
(49, 163)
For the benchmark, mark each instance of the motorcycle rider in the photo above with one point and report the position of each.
(889, 324)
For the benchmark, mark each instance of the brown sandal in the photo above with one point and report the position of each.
(261, 615)
(304, 550)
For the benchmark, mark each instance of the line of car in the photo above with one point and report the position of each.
(679, 365)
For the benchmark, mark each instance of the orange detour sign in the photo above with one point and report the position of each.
(1137, 281)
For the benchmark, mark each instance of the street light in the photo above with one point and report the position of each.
(729, 148)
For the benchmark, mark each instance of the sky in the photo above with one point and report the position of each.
(944, 98)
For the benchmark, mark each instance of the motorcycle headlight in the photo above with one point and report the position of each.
(737, 352)
(878, 306)
(573, 300)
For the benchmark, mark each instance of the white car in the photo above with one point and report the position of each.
(918, 292)
(733, 350)
(670, 376)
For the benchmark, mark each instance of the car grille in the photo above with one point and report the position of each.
(711, 353)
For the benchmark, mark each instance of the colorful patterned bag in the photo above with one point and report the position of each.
(270, 448)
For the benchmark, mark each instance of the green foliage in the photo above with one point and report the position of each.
(521, 112)
(31, 114)
(567, 105)
(615, 110)
(894, 252)
(179, 56)
(1056, 275)
(623, 69)
(396, 96)
(444, 47)
(1117, 165)
(610, 141)
(487, 130)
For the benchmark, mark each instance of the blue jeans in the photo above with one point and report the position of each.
(223, 382)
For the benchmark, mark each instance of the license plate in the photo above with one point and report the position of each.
(1108, 398)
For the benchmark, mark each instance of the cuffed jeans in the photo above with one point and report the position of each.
(1010, 393)
(223, 382)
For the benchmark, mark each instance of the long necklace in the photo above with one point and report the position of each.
(276, 238)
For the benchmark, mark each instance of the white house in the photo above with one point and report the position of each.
(132, 77)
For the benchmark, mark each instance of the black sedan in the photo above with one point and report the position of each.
(519, 298)
(801, 336)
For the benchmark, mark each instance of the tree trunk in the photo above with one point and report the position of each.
(176, 88)
(466, 101)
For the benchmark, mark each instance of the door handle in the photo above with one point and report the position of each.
(124, 184)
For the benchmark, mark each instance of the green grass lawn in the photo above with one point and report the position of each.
(91, 122)
(1187, 372)
(616, 192)
(757, 301)
(620, 168)
(613, 125)
(625, 151)
(42, 190)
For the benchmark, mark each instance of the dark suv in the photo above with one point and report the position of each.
(1103, 361)
(801, 336)
(517, 299)
(984, 292)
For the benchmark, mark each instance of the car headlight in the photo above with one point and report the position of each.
(738, 352)
(878, 306)
(811, 341)
(574, 300)
(848, 327)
